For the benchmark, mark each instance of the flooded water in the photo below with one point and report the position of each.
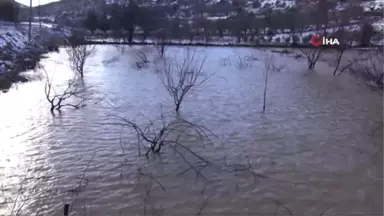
(317, 148)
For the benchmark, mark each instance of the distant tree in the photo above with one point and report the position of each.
(292, 22)
(30, 21)
(161, 44)
(130, 19)
(9, 10)
(256, 4)
(267, 13)
(241, 24)
(104, 24)
(367, 32)
(146, 20)
(91, 22)
(115, 22)
(238, 5)
(220, 27)
(321, 15)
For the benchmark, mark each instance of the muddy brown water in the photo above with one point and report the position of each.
(318, 147)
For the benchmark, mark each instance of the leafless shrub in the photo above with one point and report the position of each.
(180, 76)
(270, 65)
(312, 55)
(241, 62)
(340, 66)
(370, 72)
(78, 55)
(141, 59)
(163, 132)
(73, 89)
(175, 134)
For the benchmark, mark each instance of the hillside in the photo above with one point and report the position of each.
(255, 6)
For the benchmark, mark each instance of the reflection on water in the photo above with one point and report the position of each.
(316, 148)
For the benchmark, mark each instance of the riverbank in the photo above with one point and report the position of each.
(18, 53)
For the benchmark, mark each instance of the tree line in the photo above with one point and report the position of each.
(197, 22)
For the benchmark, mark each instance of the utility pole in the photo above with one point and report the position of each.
(15, 12)
(39, 11)
(30, 20)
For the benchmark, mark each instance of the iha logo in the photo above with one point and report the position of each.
(317, 41)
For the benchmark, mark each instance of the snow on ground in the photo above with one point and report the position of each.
(14, 40)
(379, 25)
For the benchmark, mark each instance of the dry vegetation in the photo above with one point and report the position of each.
(182, 75)
(78, 56)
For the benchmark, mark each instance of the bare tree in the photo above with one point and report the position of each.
(341, 67)
(73, 89)
(166, 131)
(370, 71)
(321, 19)
(180, 76)
(312, 55)
(343, 20)
(78, 55)
(270, 65)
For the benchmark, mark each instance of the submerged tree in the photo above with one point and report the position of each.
(312, 55)
(270, 65)
(370, 72)
(180, 76)
(78, 55)
(73, 89)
